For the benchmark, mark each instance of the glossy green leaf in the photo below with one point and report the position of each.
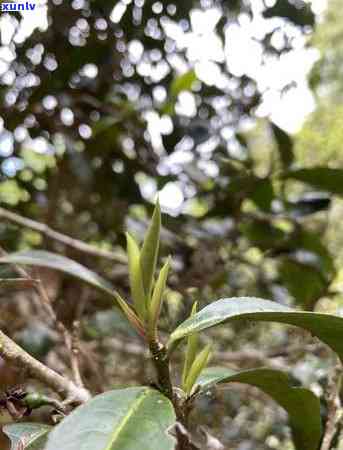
(126, 419)
(183, 83)
(150, 249)
(135, 274)
(27, 436)
(199, 363)
(326, 327)
(325, 178)
(302, 406)
(157, 297)
(62, 263)
(192, 348)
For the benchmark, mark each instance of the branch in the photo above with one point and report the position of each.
(334, 408)
(161, 362)
(12, 353)
(70, 339)
(62, 238)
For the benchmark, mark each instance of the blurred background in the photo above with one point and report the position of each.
(232, 112)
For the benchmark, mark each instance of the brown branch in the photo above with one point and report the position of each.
(60, 237)
(12, 353)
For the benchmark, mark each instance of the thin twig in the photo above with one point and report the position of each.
(68, 338)
(75, 352)
(60, 237)
(334, 408)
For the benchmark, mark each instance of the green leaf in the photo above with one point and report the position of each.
(263, 193)
(150, 250)
(54, 261)
(199, 363)
(303, 281)
(183, 83)
(302, 406)
(192, 348)
(326, 327)
(299, 13)
(27, 436)
(157, 297)
(284, 144)
(312, 242)
(325, 178)
(135, 273)
(125, 419)
(261, 233)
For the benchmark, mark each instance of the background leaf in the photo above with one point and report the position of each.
(54, 261)
(325, 178)
(304, 282)
(263, 193)
(284, 145)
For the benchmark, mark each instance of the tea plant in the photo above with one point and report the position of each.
(157, 417)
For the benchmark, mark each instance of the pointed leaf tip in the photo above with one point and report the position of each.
(150, 250)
